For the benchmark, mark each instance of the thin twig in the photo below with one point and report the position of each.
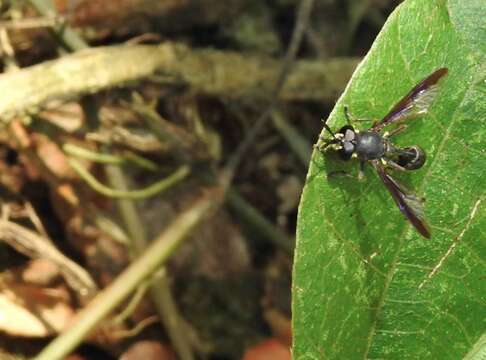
(31, 23)
(182, 145)
(261, 225)
(226, 176)
(35, 246)
(299, 145)
(132, 304)
(8, 53)
(66, 35)
(36, 221)
(108, 226)
(137, 329)
(303, 16)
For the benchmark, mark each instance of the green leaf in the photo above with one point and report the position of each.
(366, 285)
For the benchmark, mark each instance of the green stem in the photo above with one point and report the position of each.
(140, 161)
(87, 154)
(160, 291)
(68, 36)
(151, 190)
(148, 262)
(130, 308)
(299, 145)
(256, 221)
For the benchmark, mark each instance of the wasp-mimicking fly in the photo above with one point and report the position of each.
(376, 148)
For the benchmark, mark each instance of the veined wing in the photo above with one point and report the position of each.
(409, 204)
(416, 102)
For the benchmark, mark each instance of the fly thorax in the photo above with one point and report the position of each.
(369, 145)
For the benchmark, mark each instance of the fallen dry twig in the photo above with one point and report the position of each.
(212, 72)
(35, 246)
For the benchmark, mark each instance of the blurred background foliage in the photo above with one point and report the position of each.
(225, 293)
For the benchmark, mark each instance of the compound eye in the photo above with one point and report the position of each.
(349, 135)
(345, 129)
(347, 150)
(348, 147)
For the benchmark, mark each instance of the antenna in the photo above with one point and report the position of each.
(328, 129)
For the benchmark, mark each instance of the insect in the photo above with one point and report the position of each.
(371, 146)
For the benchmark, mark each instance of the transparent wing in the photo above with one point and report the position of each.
(416, 102)
(409, 204)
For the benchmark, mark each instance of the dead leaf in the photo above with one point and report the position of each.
(40, 272)
(33, 312)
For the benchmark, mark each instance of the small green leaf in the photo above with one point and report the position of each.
(366, 285)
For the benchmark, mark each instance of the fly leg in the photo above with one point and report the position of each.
(350, 118)
(392, 164)
(395, 131)
(361, 171)
(323, 143)
(342, 173)
(339, 173)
